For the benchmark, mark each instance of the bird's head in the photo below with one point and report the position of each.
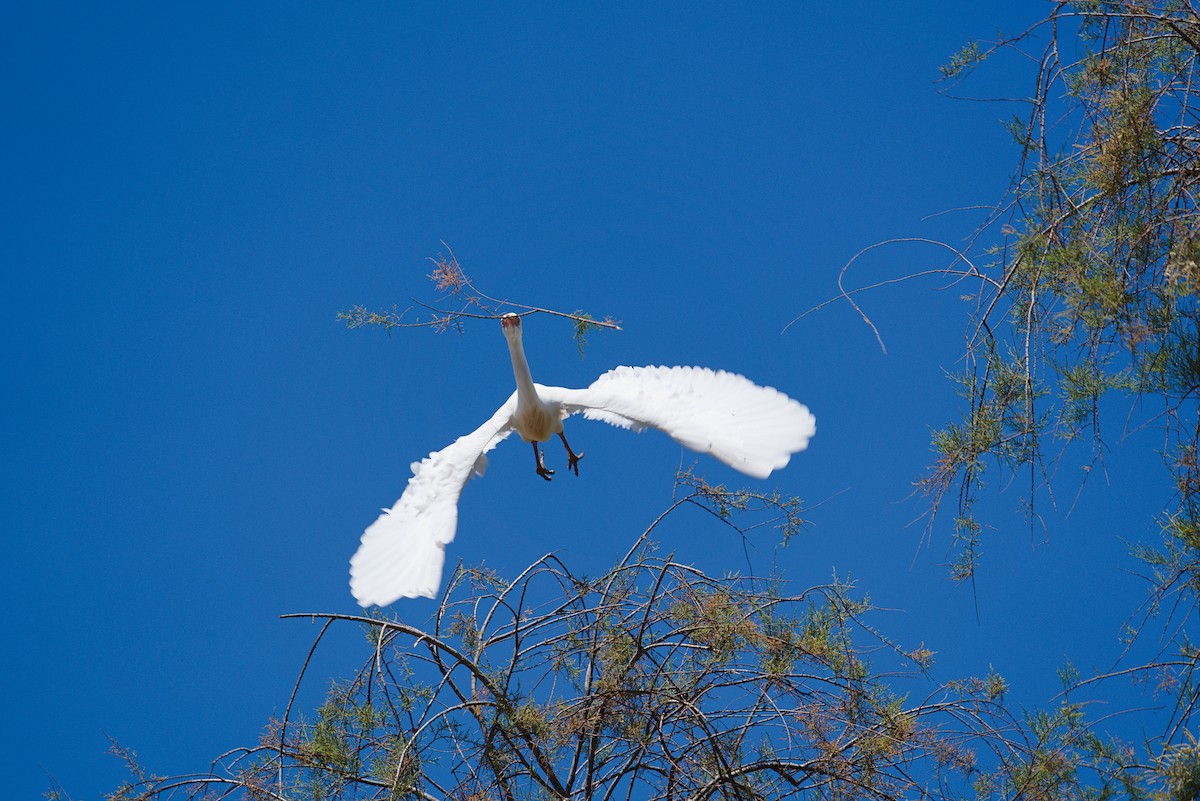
(511, 323)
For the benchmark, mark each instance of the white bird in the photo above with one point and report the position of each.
(750, 428)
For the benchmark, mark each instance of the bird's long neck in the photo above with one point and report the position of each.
(526, 394)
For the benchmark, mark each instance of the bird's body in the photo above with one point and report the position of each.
(751, 428)
(538, 421)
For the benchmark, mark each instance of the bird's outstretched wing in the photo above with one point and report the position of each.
(750, 428)
(402, 552)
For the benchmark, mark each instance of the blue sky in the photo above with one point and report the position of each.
(193, 444)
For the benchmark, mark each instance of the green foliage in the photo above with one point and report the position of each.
(1097, 287)
(361, 317)
(584, 323)
(963, 61)
(1179, 771)
(726, 503)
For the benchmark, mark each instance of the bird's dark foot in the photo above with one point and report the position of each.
(542, 470)
(572, 457)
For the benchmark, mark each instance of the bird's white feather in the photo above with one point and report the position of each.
(751, 428)
(402, 552)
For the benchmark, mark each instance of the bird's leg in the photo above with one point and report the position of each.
(540, 458)
(572, 457)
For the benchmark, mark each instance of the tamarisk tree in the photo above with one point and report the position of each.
(1091, 292)
(652, 681)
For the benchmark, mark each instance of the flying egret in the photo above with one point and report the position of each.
(750, 428)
